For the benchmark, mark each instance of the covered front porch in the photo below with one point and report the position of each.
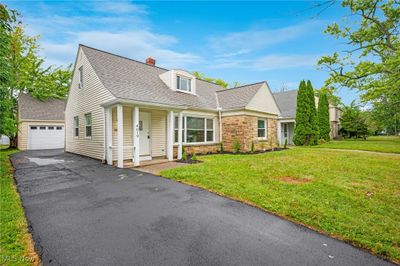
(286, 131)
(139, 134)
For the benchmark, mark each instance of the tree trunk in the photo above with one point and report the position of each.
(13, 142)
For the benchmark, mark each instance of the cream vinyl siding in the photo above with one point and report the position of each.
(82, 101)
(23, 130)
(158, 132)
(263, 101)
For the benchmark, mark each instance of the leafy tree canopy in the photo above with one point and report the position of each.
(217, 81)
(23, 70)
(352, 122)
(372, 62)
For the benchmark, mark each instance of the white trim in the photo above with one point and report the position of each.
(170, 135)
(265, 128)
(120, 136)
(136, 143)
(248, 112)
(180, 125)
(108, 123)
(197, 144)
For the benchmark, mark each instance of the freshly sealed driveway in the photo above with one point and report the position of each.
(84, 213)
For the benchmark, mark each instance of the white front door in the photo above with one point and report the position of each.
(144, 133)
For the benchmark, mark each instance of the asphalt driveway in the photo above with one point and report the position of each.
(84, 213)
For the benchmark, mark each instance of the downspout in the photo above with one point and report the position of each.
(220, 124)
(219, 117)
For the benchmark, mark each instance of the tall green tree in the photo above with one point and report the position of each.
(323, 117)
(313, 135)
(352, 122)
(22, 70)
(371, 64)
(302, 109)
(306, 129)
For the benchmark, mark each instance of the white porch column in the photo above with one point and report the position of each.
(120, 138)
(108, 131)
(279, 133)
(180, 144)
(170, 136)
(135, 130)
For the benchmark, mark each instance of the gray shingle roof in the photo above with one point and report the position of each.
(287, 103)
(133, 80)
(32, 108)
(238, 97)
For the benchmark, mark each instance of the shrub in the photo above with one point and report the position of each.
(194, 157)
(236, 146)
(285, 145)
(252, 147)
(221, 147)
(184, 155)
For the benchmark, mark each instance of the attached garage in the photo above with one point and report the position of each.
(41, 123)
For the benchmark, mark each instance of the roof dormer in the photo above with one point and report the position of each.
(179, 80)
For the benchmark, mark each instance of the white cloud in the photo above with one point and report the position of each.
(134, 44)
(119, 7)
(280, 61)
(251, 40)
(270, 62)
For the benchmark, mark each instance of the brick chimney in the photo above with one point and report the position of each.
(151, 61)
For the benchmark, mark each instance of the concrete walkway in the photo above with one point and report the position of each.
(82, 212)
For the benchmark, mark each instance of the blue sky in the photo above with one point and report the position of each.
(276, 41)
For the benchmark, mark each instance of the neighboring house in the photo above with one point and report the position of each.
(125, 111)
(287, 102)
(41, 123)
(334, 118)
(4, 140)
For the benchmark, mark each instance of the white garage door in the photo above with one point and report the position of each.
(45, 137)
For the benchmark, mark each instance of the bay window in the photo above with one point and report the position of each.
(195, 129)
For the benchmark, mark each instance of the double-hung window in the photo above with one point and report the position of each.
(183, 84)
(88, 125)
(195, 129)
(176, 128)
(76, 126)
(262, 128)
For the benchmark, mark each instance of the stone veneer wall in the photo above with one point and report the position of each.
(243, 128)
(198, 149)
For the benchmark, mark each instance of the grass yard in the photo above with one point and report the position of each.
(348, 195)
(374, 143)
(15, 241)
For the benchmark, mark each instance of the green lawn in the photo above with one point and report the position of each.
(15, 242)
(375, 143)
(352, 196)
